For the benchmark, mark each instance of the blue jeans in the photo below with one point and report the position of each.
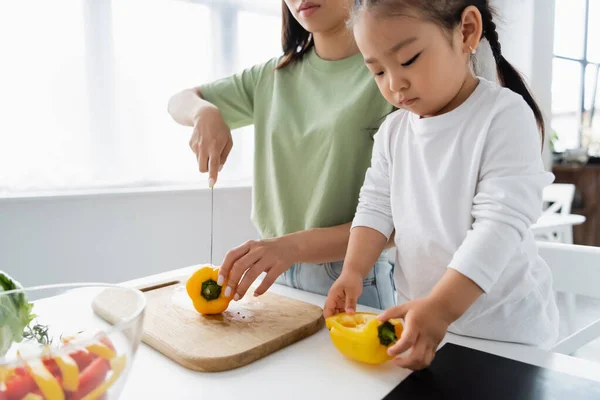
(378, 287)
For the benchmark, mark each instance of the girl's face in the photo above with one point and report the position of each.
(417, 65)
(320, 16)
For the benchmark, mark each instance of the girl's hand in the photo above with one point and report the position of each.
(273, 256)
(211, 142)
(343, 294)
(425, 325)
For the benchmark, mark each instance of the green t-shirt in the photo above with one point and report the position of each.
(314, 123)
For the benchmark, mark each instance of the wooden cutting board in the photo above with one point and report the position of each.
(248, 330)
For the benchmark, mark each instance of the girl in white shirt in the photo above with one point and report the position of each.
(457, 176)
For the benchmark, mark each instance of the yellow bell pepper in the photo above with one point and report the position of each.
(101, 350)
(5, 373)
(45, 381)
(362, 337)
(208, 297)
(69, 372)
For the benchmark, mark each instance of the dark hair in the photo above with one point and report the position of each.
(295, 40)
(448, 14)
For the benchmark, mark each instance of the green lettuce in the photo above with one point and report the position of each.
(15, 313)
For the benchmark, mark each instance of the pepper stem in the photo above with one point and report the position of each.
(387, 333)
(210, 290)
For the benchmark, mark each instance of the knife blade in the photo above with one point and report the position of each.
(211, 223)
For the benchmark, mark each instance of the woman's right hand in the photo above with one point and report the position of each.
(211, 141)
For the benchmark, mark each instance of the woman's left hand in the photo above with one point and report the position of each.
(425, 325)
(245, 263)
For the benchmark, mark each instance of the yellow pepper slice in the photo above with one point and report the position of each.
(362, 337)
(206, 295)
(69, 372)
(45, 381)
(5, 374)
(101, 350)
(33, 396)
(118, 366)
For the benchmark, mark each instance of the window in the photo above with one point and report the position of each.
(85, 89)
(44, 134)
(575, 94)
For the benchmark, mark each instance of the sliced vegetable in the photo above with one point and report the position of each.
(33, 396)
(83, 358)
(85, 373)
(91, 378)
(18, 386)
(69, 372)
(48, 384)
(102, 350)
(117, 365)
(107, 342)
(51, 365)
(362, 337)
(207, 296)
(5, 373)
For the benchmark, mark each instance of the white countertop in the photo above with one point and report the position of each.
(309, 369)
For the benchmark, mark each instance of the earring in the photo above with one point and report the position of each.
(473, 51)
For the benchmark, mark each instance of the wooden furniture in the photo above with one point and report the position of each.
(586, 179)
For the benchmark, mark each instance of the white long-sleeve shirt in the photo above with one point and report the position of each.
(461, 191)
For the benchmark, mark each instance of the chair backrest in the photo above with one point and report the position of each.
(575, 269)
(559, 196)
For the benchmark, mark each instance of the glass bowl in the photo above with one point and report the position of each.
(80, 343)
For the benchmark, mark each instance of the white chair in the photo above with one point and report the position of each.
(557, 199)
(575, 270)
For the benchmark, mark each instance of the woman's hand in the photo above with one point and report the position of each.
(245, 263)
(211, 142)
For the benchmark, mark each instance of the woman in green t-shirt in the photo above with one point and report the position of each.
(315, 111)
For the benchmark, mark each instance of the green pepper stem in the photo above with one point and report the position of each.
(387, 333)
(210, 290)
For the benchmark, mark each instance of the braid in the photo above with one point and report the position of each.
(508, 76)
(490, 33)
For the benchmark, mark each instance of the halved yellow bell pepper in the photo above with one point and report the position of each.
(208, 297)
(362, 337)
